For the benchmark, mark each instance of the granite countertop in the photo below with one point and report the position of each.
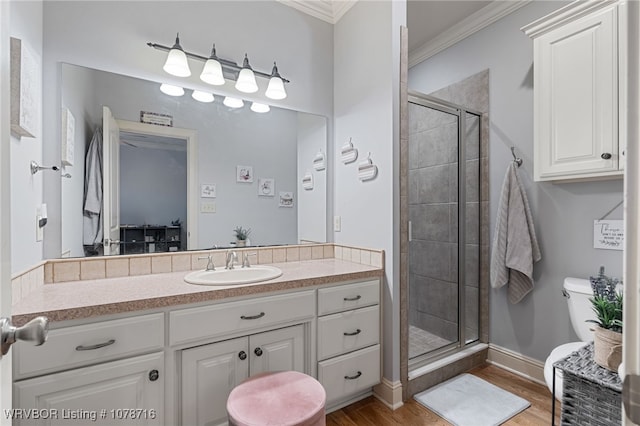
(92, 298)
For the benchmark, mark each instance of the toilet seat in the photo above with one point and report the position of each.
(556, 355)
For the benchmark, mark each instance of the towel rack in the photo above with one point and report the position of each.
(516, 160)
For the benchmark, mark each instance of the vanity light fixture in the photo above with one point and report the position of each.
(216, 69)
(233, 102)
(201, 96)
(275, 90)
(171, 90)
(212, 71)
(176, 63)
(261, 108)
(246, 78)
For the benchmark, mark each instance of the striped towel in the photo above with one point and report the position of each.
(515, 247)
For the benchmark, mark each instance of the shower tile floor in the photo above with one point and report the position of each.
(421, 341)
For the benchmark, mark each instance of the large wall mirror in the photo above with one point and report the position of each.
(187, 185)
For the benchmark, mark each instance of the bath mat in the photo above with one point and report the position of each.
(467, 400)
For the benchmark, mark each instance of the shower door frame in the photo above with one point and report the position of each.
(461, 343)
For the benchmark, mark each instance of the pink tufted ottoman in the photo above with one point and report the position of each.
(285, 398)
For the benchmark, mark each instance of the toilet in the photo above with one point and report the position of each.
(577, 291)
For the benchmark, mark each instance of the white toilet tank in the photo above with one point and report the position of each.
(579, 291)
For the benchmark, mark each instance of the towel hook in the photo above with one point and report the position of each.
(516, 160)
(35, 168)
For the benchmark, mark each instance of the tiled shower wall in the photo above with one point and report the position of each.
(433, 190)
(433, 212)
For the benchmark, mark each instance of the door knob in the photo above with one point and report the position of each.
(258, 352)
(605, 156)
(35, 331)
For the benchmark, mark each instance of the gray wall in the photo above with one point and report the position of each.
(79, 96)
(563, 213)
(312, 204)
(153, 186)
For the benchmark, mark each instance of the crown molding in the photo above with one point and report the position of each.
(321, 9)
(468, 26)
(561, 16)
(326, 10)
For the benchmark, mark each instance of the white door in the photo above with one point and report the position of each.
(209, 373)
(277, 350)
(130, 391)
(111, 182)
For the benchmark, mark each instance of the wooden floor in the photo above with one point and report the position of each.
(372, 412)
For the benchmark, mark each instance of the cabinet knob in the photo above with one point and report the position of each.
(605, 156)
(154, 375)
(258, 352)
(242, 355)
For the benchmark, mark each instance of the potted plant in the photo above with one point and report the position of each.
(242, 234)
(607, 305)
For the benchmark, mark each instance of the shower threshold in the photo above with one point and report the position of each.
(449, 359)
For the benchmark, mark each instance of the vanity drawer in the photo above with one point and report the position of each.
(348, 331)
(348, 296)
(351, 373)
(188, 325)
(81, 345)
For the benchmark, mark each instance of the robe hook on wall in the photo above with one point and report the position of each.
(516, 160)
(35, 168)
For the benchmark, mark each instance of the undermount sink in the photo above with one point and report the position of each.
(252, 274)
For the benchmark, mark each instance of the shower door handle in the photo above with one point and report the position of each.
(410, 232)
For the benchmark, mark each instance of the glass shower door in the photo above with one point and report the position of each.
(443, 262)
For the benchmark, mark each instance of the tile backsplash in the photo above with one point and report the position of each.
(65, 270)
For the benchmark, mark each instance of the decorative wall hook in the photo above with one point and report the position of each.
(367, 170)
(35, 168)
(307, 181)
(348, 153)
(319, 161)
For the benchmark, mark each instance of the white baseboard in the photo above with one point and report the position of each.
(389, 393)
(514, 362)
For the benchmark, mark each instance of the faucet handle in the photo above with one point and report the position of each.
(210, 265)
(245, 258)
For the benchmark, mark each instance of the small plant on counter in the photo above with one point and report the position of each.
(242, 233)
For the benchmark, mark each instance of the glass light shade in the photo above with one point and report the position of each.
(171, 90)
(275, 89)
(258, 107)
(202, 96)
(212, 73)
(176, 63)
(233, 102)
(246, 81)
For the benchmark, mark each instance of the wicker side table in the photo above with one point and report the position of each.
(591, 394)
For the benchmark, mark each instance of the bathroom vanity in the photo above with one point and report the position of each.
(173, 355)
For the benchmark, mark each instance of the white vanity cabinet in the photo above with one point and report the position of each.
(210, 372)
(348, 340)
(579, 91)
(94, 370)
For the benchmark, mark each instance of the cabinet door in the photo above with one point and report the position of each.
(277, 350)
(209, 373)
(102, 394)
(576, 105)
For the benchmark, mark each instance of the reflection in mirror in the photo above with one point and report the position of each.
(190, 184)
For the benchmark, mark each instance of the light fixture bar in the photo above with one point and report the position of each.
(229, 65)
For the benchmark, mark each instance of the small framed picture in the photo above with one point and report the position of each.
(244, 174)
(286, 199)
(208, 190)
(266, 187)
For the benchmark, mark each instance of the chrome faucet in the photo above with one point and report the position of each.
(245, 259)
(232, 257)
(210, 265)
